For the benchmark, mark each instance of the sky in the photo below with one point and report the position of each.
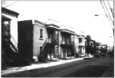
(78, 16)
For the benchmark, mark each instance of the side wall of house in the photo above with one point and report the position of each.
(60, 48)
(37, 41)
(83, 45)
(76, 44)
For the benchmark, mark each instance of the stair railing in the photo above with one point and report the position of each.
(13, 47)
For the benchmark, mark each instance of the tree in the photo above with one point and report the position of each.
(87, 45)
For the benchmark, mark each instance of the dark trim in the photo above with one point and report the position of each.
(10, 12)
(52, 25)
(67, 31)
(5, 18)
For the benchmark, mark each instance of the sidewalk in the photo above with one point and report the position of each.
(39, 66)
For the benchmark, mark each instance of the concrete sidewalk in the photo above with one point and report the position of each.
(39, 65)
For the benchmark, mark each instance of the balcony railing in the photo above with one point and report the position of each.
(66, 42)
(52, 41)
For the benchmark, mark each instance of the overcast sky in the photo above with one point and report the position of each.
(76, 15)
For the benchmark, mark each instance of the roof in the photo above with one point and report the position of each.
(52, 26)
(80, 36)
(67, 31)
(38, 22)
(10, 12)
(5, 18)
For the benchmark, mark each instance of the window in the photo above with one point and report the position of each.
(80, 40)
(41, 33)
(40, 49)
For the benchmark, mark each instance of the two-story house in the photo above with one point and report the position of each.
(52, 41)
(66, 43)
(32, 39)
(81, 45)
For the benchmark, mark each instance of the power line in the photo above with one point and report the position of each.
(109, 16)
(110, 7)
(103, 8)
(11, 3)
(112, 21)
(106, 11)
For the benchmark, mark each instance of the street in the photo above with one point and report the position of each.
(57, 39)
(93, 67)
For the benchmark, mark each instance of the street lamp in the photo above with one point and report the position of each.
(96, 15)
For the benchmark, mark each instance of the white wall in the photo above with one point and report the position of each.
(60, 48)
(14, 32)
(13, 29)
(76, 43)
(37, 42)
(83, 44)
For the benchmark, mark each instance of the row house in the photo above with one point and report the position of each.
(66, 43)
(81, 45)
(51, 46)
(37, 40)
(41, 42)
(9, 35)
(103, 49)
(92, 47)
(33, 38)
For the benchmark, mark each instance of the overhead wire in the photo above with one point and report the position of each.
(112, 21)
(109, 4)
(10, 3)
(111, 9)
(103, 8)
(109, 15)
(106, 11)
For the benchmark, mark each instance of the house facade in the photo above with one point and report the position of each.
(38, 41)
(81, 45)
(66, 43)
(32, 38)
(53, 41)
(9, 35)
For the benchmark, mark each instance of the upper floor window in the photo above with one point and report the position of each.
(41, 33)
(80, 40)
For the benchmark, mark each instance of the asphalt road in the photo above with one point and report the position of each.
(94, 67)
